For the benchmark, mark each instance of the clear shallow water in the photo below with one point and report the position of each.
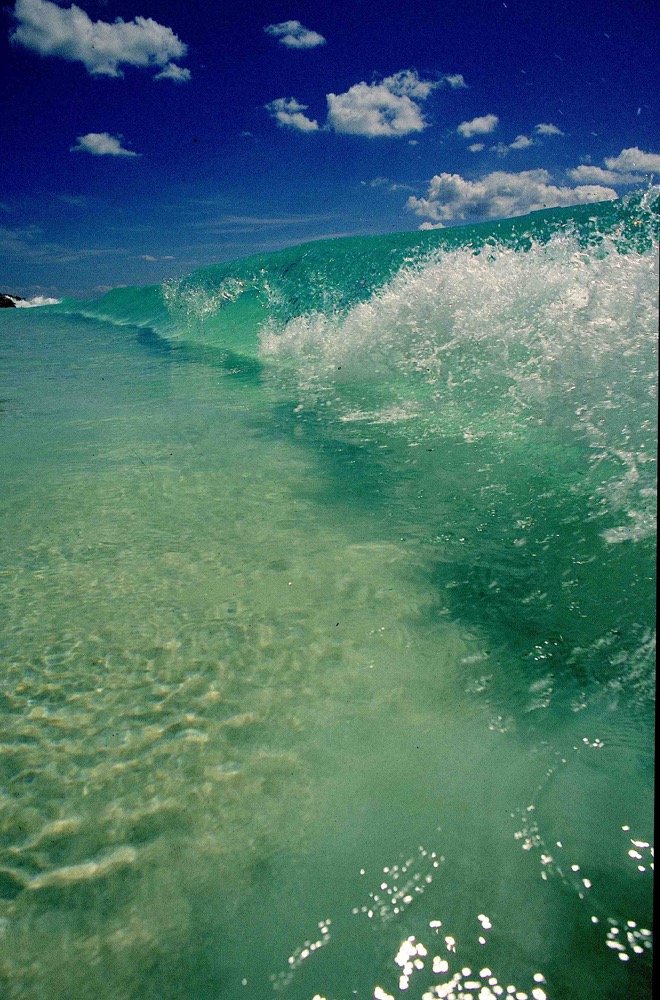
(328, 623)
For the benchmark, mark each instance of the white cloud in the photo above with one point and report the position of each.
(102, 47)
(547, 129)
(407, 83)
(288, 112)
(101, 144)
(389, 108)
(586, 174)
(629, 167)
(478, 126)
(294, 35)
(180, 74)
(256, 220)
(385, 182)
(476, 147)
(520, 142)
(455, 81)
(634, 159)
(452, 198)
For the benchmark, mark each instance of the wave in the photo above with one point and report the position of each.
(37, 300)
(383, 499)
(544, 324)
(227, 304)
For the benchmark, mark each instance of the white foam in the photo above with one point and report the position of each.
(525, 310)
(475, 344)
(38, 300)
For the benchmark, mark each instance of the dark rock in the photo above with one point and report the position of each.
(7, 301)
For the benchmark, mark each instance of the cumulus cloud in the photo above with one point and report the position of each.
(547, 129)
(287, 111)
(476, 147)
(634, 159)
(388, 108)
(631, 166)
(520, 142)
(101, 144)
(102, 47)
(294, 35)
(478, 126)
(452, 198)
(586, 174)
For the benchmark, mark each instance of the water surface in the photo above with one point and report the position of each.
(327, 623)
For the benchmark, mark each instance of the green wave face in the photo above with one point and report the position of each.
(327, 622)
(225, 305)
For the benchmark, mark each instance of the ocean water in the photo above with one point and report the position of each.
(327, 623)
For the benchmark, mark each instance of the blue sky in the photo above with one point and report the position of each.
(144, 138)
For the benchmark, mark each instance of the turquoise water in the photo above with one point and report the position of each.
(327, 623)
